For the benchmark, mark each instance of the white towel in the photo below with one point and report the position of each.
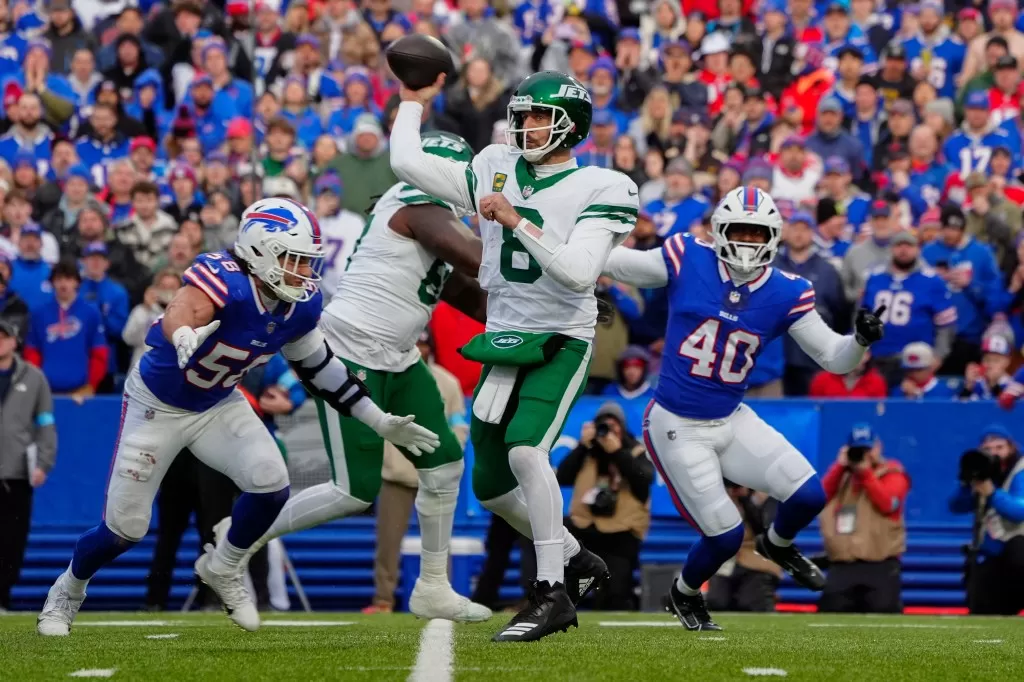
(492, 398)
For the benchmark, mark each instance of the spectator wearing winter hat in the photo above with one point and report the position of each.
(54, 91)
(341, 228)
(25, 177)
(295, 108)
(969, 269)
(1003, 15)
(104, 143)
(799, 257)
(130, 62)
(869, 253)
(29, 133)
(30, 273)
(364, 168)
(94, 226)
(65, 34)
(184, 203)
(988, 380)
(680, 208)
(602, 77)
(210, 115)
(358, 100)
(632, 386)
(598, 150)
(917, 361)
(106, 92)
(237, 92)
(978, 128)
(110, 299)
(483, 34)
(147, 106)
(142, 154)
(636, 74)
(851, 204)
(240, 146)
(667, 25)
(75, 196)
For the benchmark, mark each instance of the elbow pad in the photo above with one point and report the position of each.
(327, 378)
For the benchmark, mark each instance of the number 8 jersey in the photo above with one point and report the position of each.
(716, 329)
(248, 336)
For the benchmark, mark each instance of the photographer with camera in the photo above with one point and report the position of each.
(992, 487)
(863, 527)
(610, 510)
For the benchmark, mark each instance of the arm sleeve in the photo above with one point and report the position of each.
(46, 431)
(323, 374)
(835, 353)
(575, 264)
(830, 481)
(645, 269)
(886, 492)
(1010, 504)
(452, 181)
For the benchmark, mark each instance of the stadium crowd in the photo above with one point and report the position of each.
(889, 134)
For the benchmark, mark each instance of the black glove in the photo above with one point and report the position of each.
(605, 310)
(868, 326)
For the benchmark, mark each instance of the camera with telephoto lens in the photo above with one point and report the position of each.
(602, 429)
(855, 454)
(977, 465)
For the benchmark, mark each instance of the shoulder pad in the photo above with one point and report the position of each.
(217, 275)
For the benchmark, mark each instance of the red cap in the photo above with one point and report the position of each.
(12, 93)
(237, 8)
(142, 142)
(1002, 4)
(968, 14)
(239, 127)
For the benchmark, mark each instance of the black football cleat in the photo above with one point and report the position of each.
(692, 612)
(585, 573)
(547, 611)
(803, 570)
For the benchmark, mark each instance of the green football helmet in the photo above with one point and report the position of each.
(565, 98)
(447, 145)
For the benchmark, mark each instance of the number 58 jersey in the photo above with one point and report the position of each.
(716, 330)
(249, 335)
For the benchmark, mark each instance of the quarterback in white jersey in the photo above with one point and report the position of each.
(547, 227)
(401, 266)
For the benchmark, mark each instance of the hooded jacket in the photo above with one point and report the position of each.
(363, 177)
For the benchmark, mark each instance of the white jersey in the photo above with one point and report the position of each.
(340, 233)
(388, 291)
(520, 296)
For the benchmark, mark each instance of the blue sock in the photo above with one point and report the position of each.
(95, 549)
(799, 510)
(708, 555)
(252, 515)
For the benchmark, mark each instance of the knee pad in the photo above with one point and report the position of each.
(267, 475)
(726, 545)
(787, 473)
(128, 516)
(525, 461)
(439, 489)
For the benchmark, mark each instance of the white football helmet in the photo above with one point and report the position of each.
(746, 206)
(275, 237)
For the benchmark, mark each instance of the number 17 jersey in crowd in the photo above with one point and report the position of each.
(717, 329)
(249, 335)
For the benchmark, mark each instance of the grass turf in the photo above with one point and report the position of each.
(806, 647)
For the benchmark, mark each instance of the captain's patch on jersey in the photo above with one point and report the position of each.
(499, 182)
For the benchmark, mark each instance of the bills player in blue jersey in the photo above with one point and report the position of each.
(235, 311)
(726, 303)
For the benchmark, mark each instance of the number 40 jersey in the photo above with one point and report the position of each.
(249, 335)
(716, 330)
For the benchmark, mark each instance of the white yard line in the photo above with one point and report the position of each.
(912, 626)
(988, 641)
(711, 639)
(765, 672)
(640, 623)
(170, 635)
(94, 672)
(434, 660)
(306, 623)
(124, 623)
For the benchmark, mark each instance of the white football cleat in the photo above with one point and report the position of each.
(59, 611)
(439, 600)
(230, 588)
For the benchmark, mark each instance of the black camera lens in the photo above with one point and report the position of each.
(603, 429)
(856, 454)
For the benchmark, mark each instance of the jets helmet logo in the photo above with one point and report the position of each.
(573, 92)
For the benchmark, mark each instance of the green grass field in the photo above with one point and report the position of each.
(634, 647)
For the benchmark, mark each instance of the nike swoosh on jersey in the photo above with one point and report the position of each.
(632, 194)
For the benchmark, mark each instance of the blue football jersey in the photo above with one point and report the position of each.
(249, 335)
(941, 62)
(966, 153)
(716, 329)
(679, 216)
(915, 306)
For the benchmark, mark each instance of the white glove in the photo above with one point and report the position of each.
(405, 433)
(186, 340)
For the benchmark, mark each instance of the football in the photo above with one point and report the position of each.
(418, 60)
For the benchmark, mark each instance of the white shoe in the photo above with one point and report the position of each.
(59, 611)
(230, 588)
(439, 600)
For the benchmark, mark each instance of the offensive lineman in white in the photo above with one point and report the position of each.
(726, 302)
(547, 228)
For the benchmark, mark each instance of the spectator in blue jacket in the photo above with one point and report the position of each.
(358, 101)
(30, 274)
(109, 297)
(632, 386)
(680, 208)
(209, 115)
(66, 339)
(969, 269)
(799, 257)
(830, 139)
(104, 144)
(995, 585)
(295, 107)
(232, 92)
